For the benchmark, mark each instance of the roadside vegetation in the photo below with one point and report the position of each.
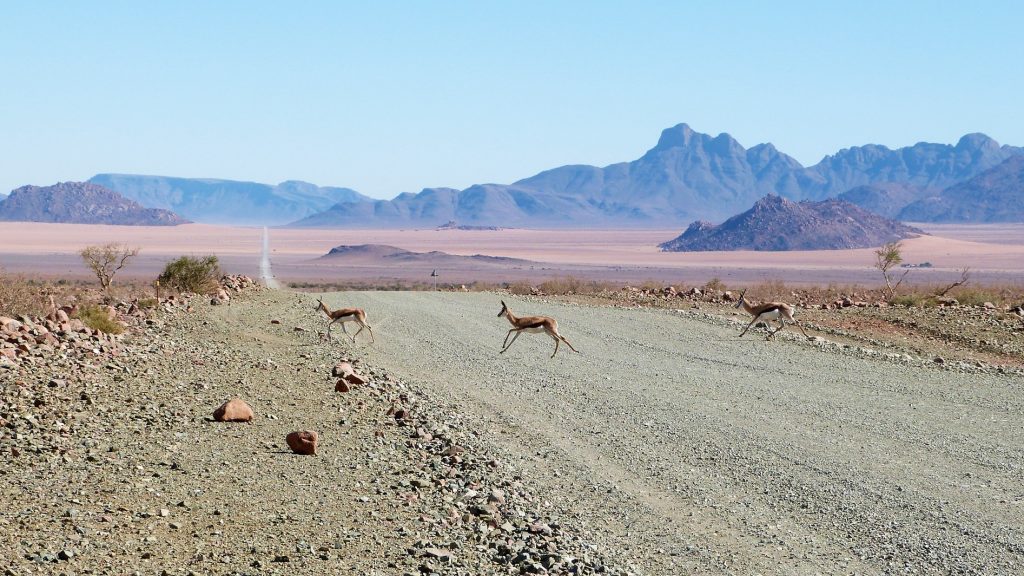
(98, 318)
(191, 274)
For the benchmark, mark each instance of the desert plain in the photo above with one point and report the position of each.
(995, 254)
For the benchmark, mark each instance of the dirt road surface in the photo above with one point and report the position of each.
(669, 446)
(691, 450)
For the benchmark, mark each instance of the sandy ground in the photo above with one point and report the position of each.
(994, 252)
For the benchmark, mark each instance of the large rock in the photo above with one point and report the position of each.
(234, 410)
(303, 442)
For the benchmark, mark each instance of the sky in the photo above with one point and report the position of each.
(390, 97)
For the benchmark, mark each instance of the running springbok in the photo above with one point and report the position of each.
(766, 313)
(345, 315)
(533, 324)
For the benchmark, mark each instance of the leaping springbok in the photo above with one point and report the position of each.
(345, 315)
(766, 313)
(533, 324)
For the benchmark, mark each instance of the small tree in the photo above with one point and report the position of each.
(189, 274)
(106, 260)
(886, 258)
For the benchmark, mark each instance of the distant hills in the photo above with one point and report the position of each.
(686, 176)
(362, 254)
(81, 203)
(996, 195)
(774, 223)
(228, 201)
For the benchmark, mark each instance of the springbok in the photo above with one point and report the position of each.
(766, 313)
(344, 315)
(533, 324)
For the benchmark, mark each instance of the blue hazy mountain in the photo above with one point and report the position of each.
(686, 176)
(995, 195)
(228, 201)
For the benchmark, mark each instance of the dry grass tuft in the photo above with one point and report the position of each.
(98, 318)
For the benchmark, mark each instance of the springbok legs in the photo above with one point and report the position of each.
(558, 338)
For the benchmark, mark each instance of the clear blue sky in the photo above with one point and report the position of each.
(392, 97)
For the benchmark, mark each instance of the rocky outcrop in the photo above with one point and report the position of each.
(774, 223)
(81, 203)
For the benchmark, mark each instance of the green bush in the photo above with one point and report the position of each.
(148, 303)
(97, 318)
(189, 274)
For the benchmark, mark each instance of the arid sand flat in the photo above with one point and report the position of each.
(994, 252)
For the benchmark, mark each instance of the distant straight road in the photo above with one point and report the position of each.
(694, 451)
(265, 272)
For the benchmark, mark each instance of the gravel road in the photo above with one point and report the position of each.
(687, 449)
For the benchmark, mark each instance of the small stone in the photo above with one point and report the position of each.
(234, 410)
(66, 554)
(341, 386)
(438, 553)
(303, 442)
(342, 369)
(355, 379)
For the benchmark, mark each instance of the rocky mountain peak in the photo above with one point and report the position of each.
(678, 136)
(977, 141)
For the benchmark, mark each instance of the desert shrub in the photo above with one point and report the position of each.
(909, 300)
(190, 274)
(97, 318)
(978, 295)
(19, 295)
(714, 285)
(520, 288)
(771, 290)
(148, 303)
(562, 285)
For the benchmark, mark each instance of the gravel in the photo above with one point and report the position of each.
(669, 446)
(688, 449)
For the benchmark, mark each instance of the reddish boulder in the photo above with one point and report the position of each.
(355, 379)
(342, 369)
(341, 386)
(303, 442)
(234, 410)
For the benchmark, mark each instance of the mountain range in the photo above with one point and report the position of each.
(774, 223)
(228, 201)
(686, 176)
(81, 203)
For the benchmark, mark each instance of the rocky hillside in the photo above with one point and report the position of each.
(886, 199)
(995, 195)
(81, 203)
(775, 223)
(228, 201)
(687, 175)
